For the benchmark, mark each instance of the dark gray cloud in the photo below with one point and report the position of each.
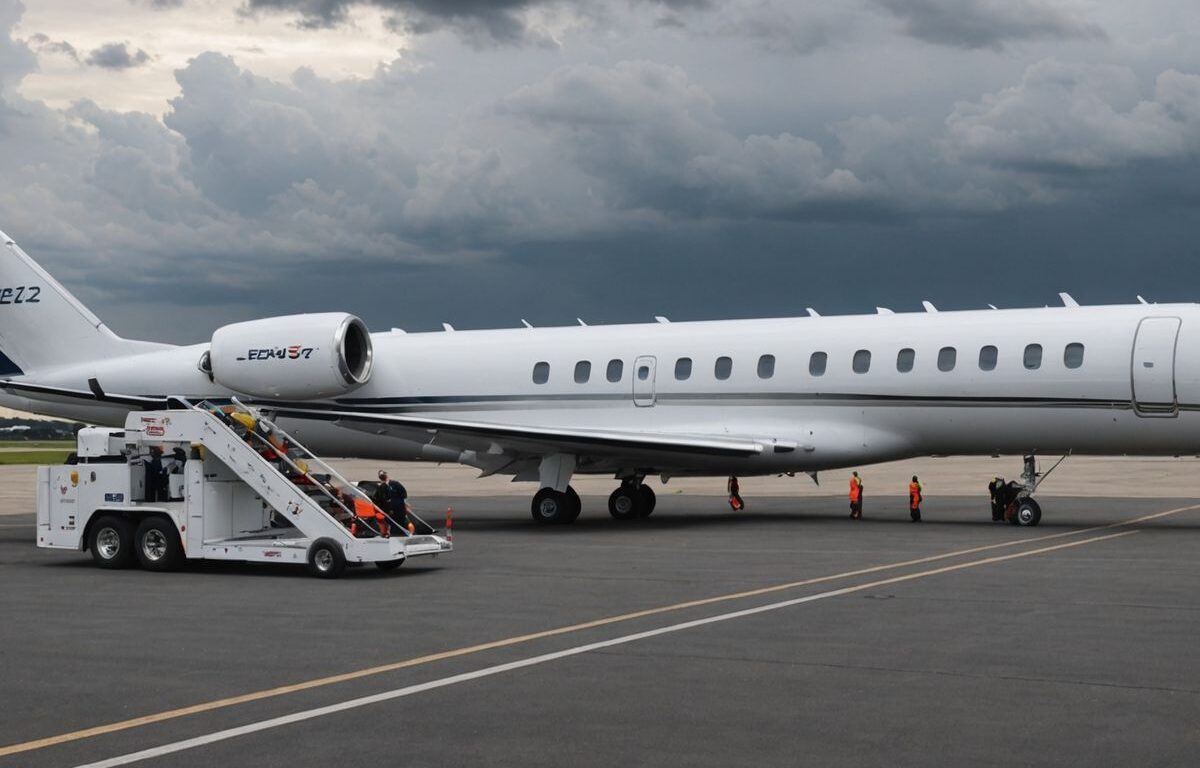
(44, 44)
(480, 21)
(988, 23)
(117, 56)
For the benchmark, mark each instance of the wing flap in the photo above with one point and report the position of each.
(474, 434)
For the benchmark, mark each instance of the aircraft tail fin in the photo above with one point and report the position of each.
(41, 324)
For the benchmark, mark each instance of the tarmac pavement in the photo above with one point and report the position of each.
(817, 640)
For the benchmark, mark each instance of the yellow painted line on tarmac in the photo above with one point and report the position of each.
(321, 682)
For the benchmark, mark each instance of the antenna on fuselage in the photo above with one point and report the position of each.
(992, 306)
(1067, 299)
(447, 327)
(929, 306)
(525, 323)
(660, 319)
(580, 321)
(883, 311)
(812, 312)
(1141, 300)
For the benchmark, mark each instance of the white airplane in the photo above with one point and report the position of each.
(719, 398)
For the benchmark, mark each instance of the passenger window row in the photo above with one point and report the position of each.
(947, 359)
(722, 370)
(818, 363)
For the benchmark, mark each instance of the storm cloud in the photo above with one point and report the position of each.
(702, 169)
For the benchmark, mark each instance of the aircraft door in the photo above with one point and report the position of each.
(643, 380)
(1154, 366)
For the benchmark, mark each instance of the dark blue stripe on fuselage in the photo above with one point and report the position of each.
(8, 367)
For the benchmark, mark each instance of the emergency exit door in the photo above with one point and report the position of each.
(643, 380)
(1154, 366)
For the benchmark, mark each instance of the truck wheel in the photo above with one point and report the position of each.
(157, 545)
(1029, 512)
(111, 542)
(325, 559)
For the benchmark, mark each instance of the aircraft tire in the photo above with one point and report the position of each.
(626, 503)
(576, 505)
(1029, 513)
(111, 542)
(648, 500)
(157, 544)
(551, 507)
(326, 559)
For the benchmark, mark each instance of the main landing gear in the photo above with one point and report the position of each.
(631, 500)
(552, 507)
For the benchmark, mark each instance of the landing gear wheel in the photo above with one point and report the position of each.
(648, 500)
(550, 507)
(626, 502)
(111, 542)
(576, 505)
(157, 545)
(388, 565)
(325, 559)
(1029, 512)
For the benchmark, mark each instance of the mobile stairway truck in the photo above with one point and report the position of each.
(239, 489)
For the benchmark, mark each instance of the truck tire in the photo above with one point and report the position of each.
(111, 542)
(325, 559)
(157, 544)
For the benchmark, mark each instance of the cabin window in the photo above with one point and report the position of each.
(643, 372)
(862, 361)
(723, 368)
(766, 366)
(616, 369)
(817, 364)
(987, 358)
(541, 373)
(905, 359)
(1033, 357)
(947, 357)
(683, 369)
(583, 372)
(1073, 355)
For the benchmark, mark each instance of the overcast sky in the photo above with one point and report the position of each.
(180, 164)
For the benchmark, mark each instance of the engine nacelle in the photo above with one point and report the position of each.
(294, 357)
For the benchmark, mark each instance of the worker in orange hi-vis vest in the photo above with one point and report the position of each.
(914, 499)
(856, 494)
(735, 495)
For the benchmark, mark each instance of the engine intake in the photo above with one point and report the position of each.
(295, 357)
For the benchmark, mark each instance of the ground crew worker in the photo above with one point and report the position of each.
(735, 495)
(856, 494)
(996, 492)
(914, 499)
(392, 498)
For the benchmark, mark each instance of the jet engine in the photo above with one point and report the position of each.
(293, 357)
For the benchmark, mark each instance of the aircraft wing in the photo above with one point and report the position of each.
(95, 394)
(473, 435)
